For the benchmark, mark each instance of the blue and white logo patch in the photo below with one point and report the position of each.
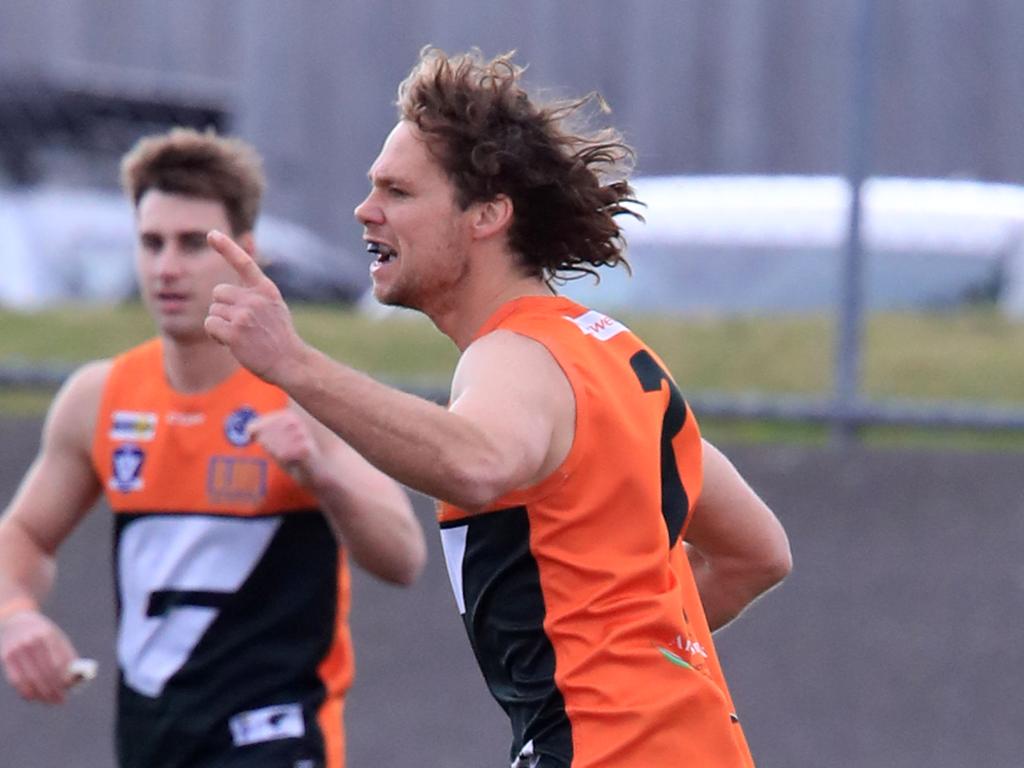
(235, 426)
(126, 463)
(132, 425)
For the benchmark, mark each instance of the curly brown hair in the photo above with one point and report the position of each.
(184, 161)
(491, 139)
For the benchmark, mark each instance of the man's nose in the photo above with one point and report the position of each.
(368, 212)
(169, 262)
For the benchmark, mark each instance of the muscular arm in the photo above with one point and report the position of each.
(503, 430)
(736, 546)
(56, 492)
(510, 417)
(369, 512)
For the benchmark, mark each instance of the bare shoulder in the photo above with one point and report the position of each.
(513, 386)
(508, 357)
(90, 377)
(72, 415)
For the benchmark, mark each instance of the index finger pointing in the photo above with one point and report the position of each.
(246, 267)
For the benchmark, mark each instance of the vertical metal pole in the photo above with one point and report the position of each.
(851, 279)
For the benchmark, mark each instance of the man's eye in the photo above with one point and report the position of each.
(151, 243)
(193, 243)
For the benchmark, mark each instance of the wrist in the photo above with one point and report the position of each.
(16, 605)
(316, 477)
(291, 367)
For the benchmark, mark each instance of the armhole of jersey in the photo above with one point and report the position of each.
(98, 443)
(691, 423)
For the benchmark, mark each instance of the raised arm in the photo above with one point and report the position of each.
(510, 421)
(370, 512)
(736, 546)
(56, 492)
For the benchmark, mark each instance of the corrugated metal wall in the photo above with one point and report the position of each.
(698, 85)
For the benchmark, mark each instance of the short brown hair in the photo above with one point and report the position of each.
(491, 139)
(184, 161)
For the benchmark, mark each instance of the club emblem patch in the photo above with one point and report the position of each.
(126, 464)
(235, 426)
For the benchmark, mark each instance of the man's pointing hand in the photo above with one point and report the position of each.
(251, 318)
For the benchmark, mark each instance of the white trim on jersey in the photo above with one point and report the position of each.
(453, 542)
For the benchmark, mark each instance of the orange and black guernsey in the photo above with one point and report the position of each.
(233, 641)
(576, 593)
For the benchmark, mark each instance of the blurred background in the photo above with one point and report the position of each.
(859, 355)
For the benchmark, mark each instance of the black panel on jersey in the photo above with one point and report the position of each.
(263, 648)
(165, 600)
(505, 621)
(675, 502)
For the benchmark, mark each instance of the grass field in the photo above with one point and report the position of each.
(975, 355)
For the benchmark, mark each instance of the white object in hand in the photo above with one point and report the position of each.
(81, 671)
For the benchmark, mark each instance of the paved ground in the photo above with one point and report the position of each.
(898, 642)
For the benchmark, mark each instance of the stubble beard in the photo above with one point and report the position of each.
(431, 293)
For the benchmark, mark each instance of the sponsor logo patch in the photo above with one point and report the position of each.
(283, 721)
(674, 657)
(132, 425)
(235, 426)
(527, 757)
(182, 419)
(238, 480)
(126, 464)
(597, 325)
(689, 654)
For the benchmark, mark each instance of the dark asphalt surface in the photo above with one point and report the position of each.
(898, 642)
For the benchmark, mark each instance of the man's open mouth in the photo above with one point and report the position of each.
(382, 251)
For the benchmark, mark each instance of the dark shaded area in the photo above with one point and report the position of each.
(37, 112)
(895, 643)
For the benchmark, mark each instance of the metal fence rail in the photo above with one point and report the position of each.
(850, 415)
(860, 412)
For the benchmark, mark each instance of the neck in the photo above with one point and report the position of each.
(466, 312)
(196, 366)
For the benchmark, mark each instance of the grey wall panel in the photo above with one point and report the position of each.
(698, 86)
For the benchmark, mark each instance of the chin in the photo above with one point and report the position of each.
(183, 334)
(390, 298)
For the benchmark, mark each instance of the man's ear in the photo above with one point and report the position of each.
(492, 217)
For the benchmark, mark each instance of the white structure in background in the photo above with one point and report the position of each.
(710, 244)
(775, 243)
(61, 245)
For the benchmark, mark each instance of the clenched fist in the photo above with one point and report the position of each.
(289, 440)
(36, 656)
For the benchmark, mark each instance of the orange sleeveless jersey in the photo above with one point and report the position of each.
(233, 593)
(576, 593)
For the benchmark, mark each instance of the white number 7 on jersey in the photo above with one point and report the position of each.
(174, 573)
